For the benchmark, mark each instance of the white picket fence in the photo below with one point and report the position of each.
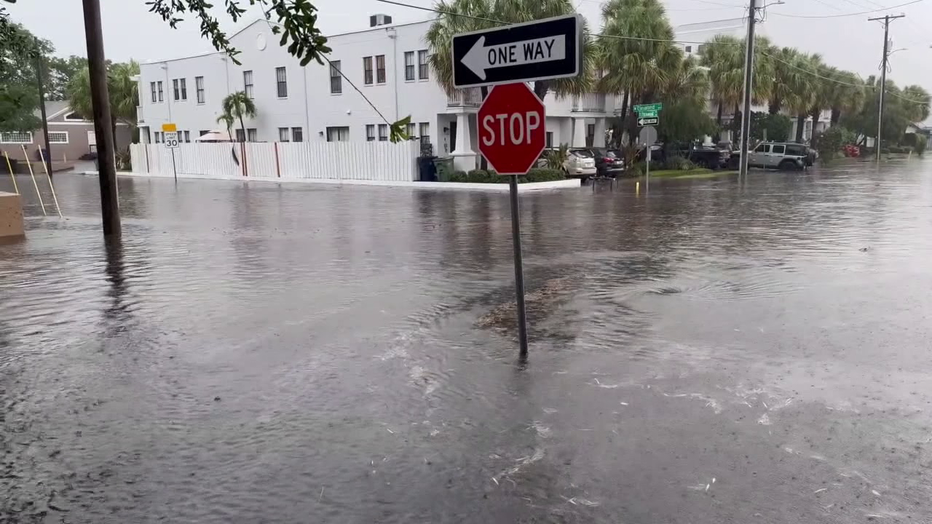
(375, 161)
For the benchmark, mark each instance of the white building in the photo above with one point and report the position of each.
(388, 63)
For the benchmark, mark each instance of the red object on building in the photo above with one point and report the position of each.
(512, 129)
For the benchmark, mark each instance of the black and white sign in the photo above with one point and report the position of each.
(170, 140)
(537, 50)
(648, 121)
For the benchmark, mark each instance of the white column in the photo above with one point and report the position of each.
(599, 140)
(579, 132)
(464, 158)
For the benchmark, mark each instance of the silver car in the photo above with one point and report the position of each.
(785, 156)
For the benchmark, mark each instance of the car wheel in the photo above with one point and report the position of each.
(787, 165)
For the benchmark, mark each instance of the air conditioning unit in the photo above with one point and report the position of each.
(377, 20)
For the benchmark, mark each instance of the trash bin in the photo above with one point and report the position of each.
(427, 171)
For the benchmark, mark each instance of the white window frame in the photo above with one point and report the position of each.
(5, 138)
(383, 132)
(423, 67)
(382, 69)
(411, 129)
(65, 133)
(199, 89)
(252, 134)
(184, 88)
(281, 83)
(335, 67)
(300, 134)
(409, 66)
(424, 131)
(337, 134)
(370, 132)
(249, 87)
(284, 134)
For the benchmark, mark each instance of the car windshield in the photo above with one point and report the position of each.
(583, 153)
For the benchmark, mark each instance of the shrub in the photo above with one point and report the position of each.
(677, 163)
(482, 176)
(636, 170)
(458, 176)
(830, 142)
(541, 175)
(557, 157)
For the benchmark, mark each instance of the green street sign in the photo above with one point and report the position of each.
(647, 108)
(648, 114)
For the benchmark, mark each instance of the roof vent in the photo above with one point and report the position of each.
(377, 20)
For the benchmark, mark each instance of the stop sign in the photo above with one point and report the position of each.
(512, 129)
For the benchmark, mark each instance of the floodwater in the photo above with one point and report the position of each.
(712, 352)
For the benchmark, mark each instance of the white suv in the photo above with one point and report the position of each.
(580, 164)
(784, 156)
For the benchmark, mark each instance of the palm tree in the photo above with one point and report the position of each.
(723, 56)
(458, 16)
(916, 100)
(124, 96)
(227, 120)
(847, 94)
(635, 53)
(236, 106)
(823, 84)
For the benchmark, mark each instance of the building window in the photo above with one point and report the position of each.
(16, 138)
(424, 132)
(252, 135)
(409, 66)
(367, 70)
(199, 88)
(247, 83)
(549, 139)
(187, 136)
(281, 79)
(699, 49)
(383, 132)
(58, 137)
(159, 83)
(689, 49)
(337, 134)
(336, 78)
(202, 132)
(297, 135)
(240, 137)
(370, 132)
(175, 89)
(158, 137)
(283, 134)
(410, 130)
(380, 69)
(422, 69)
(152, 85)
(184, 88)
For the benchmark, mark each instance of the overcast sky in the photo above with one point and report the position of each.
(852, 43)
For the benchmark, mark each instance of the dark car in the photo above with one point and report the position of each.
(608, 162)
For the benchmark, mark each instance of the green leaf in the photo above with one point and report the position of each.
(399, 130)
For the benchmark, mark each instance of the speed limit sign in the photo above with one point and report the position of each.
(170, 140)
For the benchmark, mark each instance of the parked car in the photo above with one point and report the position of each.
(608, 162)
(785, 156)
(580, 163)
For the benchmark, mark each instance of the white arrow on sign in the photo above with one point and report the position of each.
(538, 50)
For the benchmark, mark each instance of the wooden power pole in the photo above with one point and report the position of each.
(45, 121)
(883, 75)
(100, 98)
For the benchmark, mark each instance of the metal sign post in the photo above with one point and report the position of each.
(512, 123)
(170, 138)
(647, 137)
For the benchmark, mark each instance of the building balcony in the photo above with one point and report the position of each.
(469, 97)
(589, 103)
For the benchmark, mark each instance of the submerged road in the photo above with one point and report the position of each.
(710, 353)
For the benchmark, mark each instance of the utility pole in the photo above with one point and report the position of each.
(883, 75)
(748, 85)
(100, 98)
(45, 121)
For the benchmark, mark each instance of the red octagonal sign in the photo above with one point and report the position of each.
(512, 129)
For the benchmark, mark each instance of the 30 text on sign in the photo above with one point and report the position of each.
(536, 50)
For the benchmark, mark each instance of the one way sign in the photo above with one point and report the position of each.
(537, 50)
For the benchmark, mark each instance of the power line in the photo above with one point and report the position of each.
(643, 39)
(849, 14)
